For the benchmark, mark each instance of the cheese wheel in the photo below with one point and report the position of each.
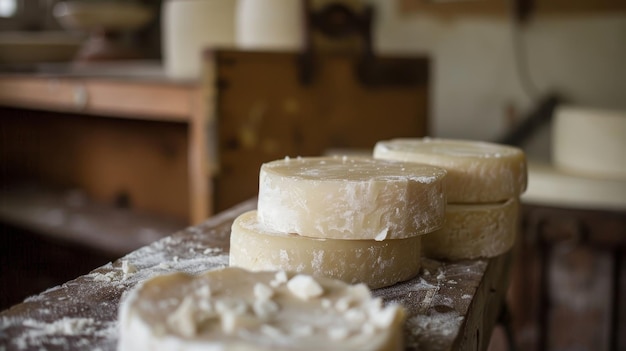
(375, 263)
(232, 309)
(553, 186)
(478, 172)
(351, 198)
(473, 231)
(590, 142)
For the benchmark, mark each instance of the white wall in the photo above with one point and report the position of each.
(474, 75)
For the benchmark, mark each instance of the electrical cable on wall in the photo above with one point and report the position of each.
(545, 103)
(520, 53)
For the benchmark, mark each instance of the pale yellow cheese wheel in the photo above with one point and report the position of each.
(232, 309)
(552, 186)
(474, 231)
(353, 198)
(478, 172)
(590, 142)
(375, 263)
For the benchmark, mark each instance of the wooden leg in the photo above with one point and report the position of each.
(200, 192)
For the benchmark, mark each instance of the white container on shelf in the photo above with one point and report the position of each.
(189, 27)
(270, 24)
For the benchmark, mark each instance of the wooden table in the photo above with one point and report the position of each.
(451, 306)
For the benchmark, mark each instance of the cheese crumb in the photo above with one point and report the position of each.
(355, 316)
(279, 279)
(326, 304)
(182, 319)
(231, 322)
(359, 292)
(236, 306)
(128, 269)
(338, 333)
(382, 235)
(265, 309)
(305, 287)
(385, 317)
(263, 292)
(204, 291)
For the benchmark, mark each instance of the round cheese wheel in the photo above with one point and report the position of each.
(232, 309)
(375, 263)
(473, 231)
(351, 198)
(478, 172)
(590, 142)
(553, 186)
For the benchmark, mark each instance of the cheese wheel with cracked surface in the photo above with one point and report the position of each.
(375, 263)
(473, 231)
(353, 198)
(232, 309)
(478, 172)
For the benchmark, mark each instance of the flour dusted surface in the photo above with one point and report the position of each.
(427, 296)
(82, 314)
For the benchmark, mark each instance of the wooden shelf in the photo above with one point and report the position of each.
(137, 99)
(71, 216)
(132, 91)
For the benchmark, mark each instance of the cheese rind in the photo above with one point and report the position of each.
(478, 172)
(473, 231)
(375, 263)
(351, 198)
(228, 320)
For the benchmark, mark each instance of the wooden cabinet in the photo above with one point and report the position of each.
(265, 110)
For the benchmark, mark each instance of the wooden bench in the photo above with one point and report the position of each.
(451, 306)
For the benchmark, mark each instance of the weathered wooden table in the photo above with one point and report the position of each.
(452, 306)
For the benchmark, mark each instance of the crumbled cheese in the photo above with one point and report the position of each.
(182, 320)
(263, 292)
(265, 309)
(279, 279)
(305, 287)
(128, 269)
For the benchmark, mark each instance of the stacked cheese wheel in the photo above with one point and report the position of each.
(483, 186)
(354, 219)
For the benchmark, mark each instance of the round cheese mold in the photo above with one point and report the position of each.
(478, 172)
(375, 263)
(473, 231)
(232, 309)
(351, 198)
